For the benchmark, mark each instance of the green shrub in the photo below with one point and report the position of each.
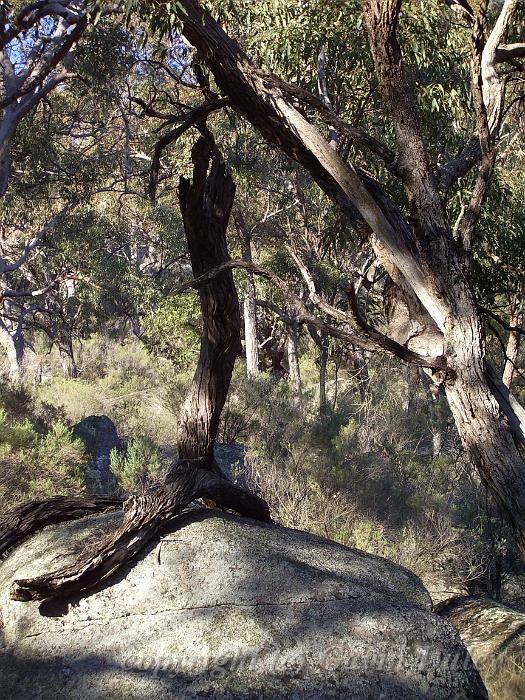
(64, 454)
(140, 465)
(120, 380)
(34, 465)
(16, 435)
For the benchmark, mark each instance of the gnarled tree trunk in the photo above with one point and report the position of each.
(205, 203)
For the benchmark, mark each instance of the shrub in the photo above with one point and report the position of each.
(139, 466)
(64, 454)
(33, 465)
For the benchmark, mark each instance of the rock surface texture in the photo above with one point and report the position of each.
(225, 607)
(494, 634)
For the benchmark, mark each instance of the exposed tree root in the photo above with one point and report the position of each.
(28, 518)
(144, 518)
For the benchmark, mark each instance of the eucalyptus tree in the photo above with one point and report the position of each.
(426, 255)
(37, 45)
(206, 201)
(71, 159)
(420, 210)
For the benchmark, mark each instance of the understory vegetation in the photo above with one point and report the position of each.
(366, 474)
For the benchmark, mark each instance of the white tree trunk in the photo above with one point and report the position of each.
(293, 362)
(14, 346)
(250, 305)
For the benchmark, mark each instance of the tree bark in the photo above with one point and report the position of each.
(28, 518)
(360, 372)
(13, 343)
(321, 340)
(323, 363)
(293, 361)
(433, 417)
(250, 303)
(67, 358)
(206, 205)
(511, 353)
(7, 127)
(412, 378)
(513, 342)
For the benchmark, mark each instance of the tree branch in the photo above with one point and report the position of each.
(144, 518)
(509, 52)
(195, 116)
(304, 316)
(30, 517)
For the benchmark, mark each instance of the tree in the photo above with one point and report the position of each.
(205, 204)
(428, 262)
(37, 43)
(405, 211)
(250, 302)
(52, 150)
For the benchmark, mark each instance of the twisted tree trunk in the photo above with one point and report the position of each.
(205, 204)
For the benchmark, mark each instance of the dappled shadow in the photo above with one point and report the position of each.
(263, 612)
(94, 677)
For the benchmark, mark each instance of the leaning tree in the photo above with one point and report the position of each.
(427, 258)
